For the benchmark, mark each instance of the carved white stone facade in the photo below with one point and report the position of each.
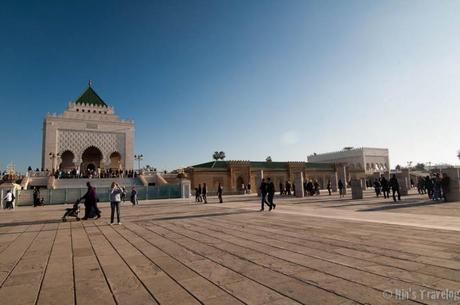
(366, 159)
(78, 141)
(85, 125)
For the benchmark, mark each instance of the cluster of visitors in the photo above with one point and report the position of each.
(107, 173)
(287, 188)
(117, 194)
(201, 193)
(436, 186)
(267, 190)
(382, 185)
(246, 189)
(311, 188)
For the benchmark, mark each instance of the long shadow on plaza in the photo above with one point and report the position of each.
(198, 215)
(403, 205)
(27, 223)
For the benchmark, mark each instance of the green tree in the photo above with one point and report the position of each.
(419, 167)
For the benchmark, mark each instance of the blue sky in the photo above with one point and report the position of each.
(251, 78)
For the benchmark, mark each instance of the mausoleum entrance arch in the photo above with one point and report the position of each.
(91, 159)
(115, 161)
(239, 183)
(67, 163)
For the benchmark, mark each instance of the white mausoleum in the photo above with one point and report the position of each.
(366, 159)
(88, 136)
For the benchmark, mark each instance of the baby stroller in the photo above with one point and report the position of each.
(72, 212)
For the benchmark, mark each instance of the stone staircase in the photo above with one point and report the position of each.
(98, 182)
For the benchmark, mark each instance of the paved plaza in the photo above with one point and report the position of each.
(320, 250)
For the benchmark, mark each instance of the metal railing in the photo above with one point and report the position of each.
(70, 195)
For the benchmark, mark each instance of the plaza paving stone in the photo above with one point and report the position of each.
(313, 250)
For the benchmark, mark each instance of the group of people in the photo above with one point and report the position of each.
(287, 188)
(246, 189)
(311, 188)
(201, 193)
(436, 186)
(117, 195)
(383, 186)
(106, 173)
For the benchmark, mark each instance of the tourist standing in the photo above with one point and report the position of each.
(204, 192)
(281, 188)
(115, 199)
(197, 195)
(36, 196)
(123, 194)
(263, 191)
(134, 196)
(271, 194)
(341, 190)
(220, 191)
(9, 198)
(394, 184)
(329, 187)
(248, 188)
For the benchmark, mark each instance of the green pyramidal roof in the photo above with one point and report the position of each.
(90, 97)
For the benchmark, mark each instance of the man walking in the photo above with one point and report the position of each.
(220, 190)
(263, 192)
(394, 184)
(341, 186)
(271, 194)
(204, 192)
(385, 188)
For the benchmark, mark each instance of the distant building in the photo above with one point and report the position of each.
(88, 136)
(234, 174)
(364, 160)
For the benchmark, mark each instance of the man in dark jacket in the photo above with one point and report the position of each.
(385, 188)
(394, 184)
(341, 187)
(445, 186)
(271, 194)
(220, 190)
(263, 191)
(204, 193)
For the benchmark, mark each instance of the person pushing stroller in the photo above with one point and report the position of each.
(90, 198)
